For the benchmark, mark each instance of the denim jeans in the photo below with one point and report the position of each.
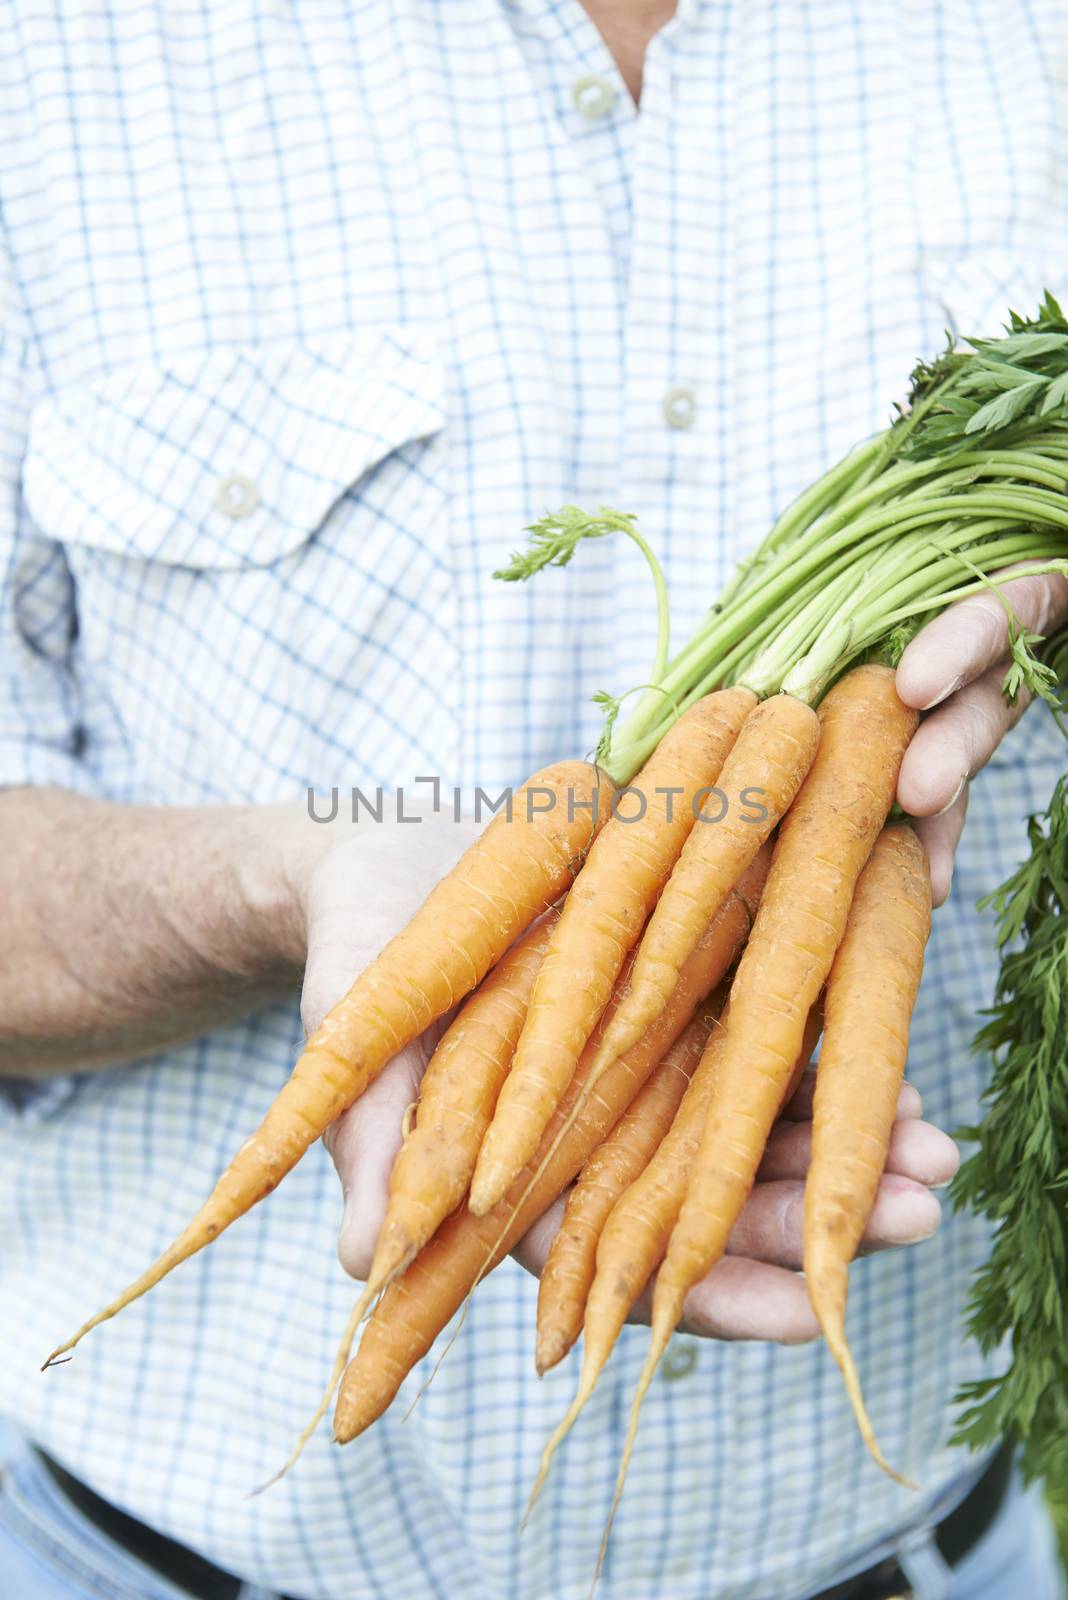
(49, 1551)
(1017, 1559)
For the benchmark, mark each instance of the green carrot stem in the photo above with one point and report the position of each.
(848, 638)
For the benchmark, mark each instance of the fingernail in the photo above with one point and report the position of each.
(958, 791)
(944, 694)
(918, 1235)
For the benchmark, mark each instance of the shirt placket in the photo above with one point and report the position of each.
(592, 103)
(678, 353)
(594, 124)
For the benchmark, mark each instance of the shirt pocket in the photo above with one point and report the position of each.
(230, 456)
(258, 537)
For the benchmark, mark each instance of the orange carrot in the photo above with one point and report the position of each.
(512, 872)
(416, 1307)
(601, 919)
(824, 841)
(765, 769)
(635, 1234)
(434, 1164)
(870, 995)
(456, 1098)
(608, 1173)
(810, 1039)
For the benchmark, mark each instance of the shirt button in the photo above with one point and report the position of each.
(594, 97)
(680, 408)
(237, 497)
(679, 1361)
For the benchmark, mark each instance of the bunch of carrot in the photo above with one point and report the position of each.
(586, 1022)
(635, 985)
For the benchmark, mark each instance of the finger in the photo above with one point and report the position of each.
(799, 1108)
(742, 1299)
(940, 837)
(955, 742)
(918, 1150)
(363, 1143)
(770, 1227)
(904, 1213)
(960, 645)
(533, 1247)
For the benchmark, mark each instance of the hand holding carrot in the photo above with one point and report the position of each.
(755, 1292)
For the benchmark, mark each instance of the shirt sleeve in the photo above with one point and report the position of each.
(40, 735)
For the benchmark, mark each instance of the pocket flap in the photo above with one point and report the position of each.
(229, 456)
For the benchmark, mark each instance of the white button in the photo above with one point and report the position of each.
(237, 496)
(594, 97)
(680, 408)
(679, 1361)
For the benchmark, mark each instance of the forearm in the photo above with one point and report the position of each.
(129, 927)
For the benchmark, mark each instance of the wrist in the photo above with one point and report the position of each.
(229, 893)
(272, 865)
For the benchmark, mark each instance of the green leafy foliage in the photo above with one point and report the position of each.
(556, 536)
(1025, 373)
(1028, 670)
(894, 644)
(1021, 376)
(611, 705)
(1018, 1176)
(1005, 407)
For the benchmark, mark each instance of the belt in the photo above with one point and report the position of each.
(954, 1536)
(175, 1562)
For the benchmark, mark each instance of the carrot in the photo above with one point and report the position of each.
(601, 920)
(433, 1166)
(809, 1040)
(456, 1098)
(416, 1307)
(636, 1232)
(824, 841)
(608, 1173)
(765, 767)
(514, 870)
(870, 995)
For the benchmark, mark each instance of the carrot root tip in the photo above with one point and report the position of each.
(839, 1348)
(550, 1349)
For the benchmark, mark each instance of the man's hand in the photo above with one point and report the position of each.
(358, 885)
(954, 669)
(756, 1291)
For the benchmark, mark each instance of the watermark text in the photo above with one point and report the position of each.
(629, 803)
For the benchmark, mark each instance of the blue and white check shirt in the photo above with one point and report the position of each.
(308, 310)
